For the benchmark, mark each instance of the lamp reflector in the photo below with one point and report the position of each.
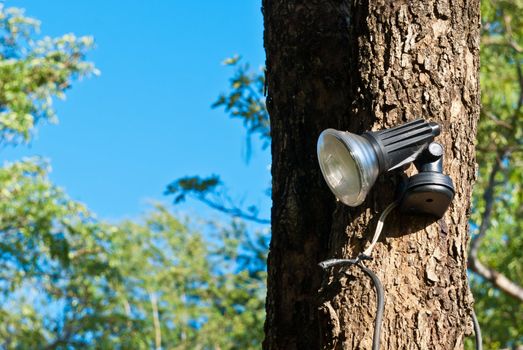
(349, 165)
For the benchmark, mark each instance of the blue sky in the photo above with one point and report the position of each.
(147, 120)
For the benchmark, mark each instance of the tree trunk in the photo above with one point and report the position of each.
(360, 65)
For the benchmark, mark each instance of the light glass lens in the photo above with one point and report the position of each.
(349, 165)
(339, 169)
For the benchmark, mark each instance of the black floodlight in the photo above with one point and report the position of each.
(351, 163)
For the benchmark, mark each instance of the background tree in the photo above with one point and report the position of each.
(495, 251)
(71, 281)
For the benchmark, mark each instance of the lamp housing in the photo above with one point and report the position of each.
(351, 163)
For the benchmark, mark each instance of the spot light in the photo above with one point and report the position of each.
(351, 163)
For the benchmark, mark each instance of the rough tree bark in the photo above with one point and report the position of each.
(359, 65)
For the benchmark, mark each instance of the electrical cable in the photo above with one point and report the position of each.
(380, 294)
(379, 227)
(477, 332)
(366, 255)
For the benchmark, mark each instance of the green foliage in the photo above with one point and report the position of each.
(32, 72)
(499, 150)
(204, 297)
(71, 281)
(213, 193)
(192, 185)
(51, 257)
(246, 100)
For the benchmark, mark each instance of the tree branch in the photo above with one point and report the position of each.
(488, 41)
(507, 41)
(211, 192)
(156, 321)
(499, 280)
(233, 211)
(128, 313)
(498, 121)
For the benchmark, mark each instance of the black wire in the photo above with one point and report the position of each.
(380, 295)
(477, 332)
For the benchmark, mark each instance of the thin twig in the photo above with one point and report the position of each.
(489, 41)
(497, 121)
(234, 211)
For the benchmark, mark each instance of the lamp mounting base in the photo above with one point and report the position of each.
(427, 193)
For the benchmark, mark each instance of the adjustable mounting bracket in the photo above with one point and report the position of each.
(430, 191)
